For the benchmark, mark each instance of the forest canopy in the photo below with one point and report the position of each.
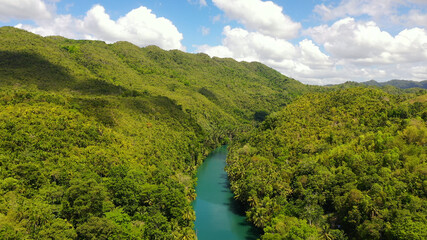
(349, 164)
(103, 141)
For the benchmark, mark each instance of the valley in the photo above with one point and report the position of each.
(104, 141)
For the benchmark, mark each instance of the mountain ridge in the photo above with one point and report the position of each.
(403, 84)
(104, 140)
(171, 73)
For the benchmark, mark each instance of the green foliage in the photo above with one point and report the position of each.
(212, 90)
(78, 166)
(260, 116)
(349, 163)
(102, 141)
(57, 230)
(290, 228)
(398, 83)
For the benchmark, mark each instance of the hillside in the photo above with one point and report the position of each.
(399, 85)
(403, 84)
(219, 93)
(348, 164)
(103, 140)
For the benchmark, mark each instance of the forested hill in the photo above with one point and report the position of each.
(102, 141)
(349, 164)
(404, 84)
(217, 93)
(388, 86)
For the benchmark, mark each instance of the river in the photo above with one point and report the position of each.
(218, 214)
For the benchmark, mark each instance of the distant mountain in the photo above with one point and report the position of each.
(404, 84)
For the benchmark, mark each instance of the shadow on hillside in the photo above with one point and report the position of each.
(100, 87)
(32, 69)
(29, 68)
(24, 68)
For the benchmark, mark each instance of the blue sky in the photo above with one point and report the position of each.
(190, 17)
(316, 42)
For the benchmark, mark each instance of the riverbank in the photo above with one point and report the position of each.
(218, 214)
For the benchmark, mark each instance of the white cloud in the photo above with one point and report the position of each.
(356, 51)
(311, 55)
(264, 17)
(364, 50)
(255, 46)
(140, 26)
(24, 9)
(63, 25)
(385, 10)
(216, 51)
(419, 72)
(364, 43)
(414, 17)
(304, 61)
(348, 49)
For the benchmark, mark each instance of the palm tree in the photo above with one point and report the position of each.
(189, 214)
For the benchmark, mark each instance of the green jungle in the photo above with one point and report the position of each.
(103, 141)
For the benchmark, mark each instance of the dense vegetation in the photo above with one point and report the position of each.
(102, 141)
(349, 164)
(219, 94)
(404, 84)
(91, 167)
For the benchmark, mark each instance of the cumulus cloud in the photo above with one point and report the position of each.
(24, 10)
(365, 43)
(356, 51)
(140, 26)
(346, 49)
(362, 51)
(63, 25)
(255, 46)
(264, 17)
(304, 61)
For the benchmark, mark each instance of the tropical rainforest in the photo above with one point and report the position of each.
(348, 164)
(103, 141)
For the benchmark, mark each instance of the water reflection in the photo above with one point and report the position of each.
(218, 214)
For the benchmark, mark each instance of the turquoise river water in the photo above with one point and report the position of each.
(218, 215)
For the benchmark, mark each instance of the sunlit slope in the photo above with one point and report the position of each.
(218, 93)
(348, 164)
(103, 141)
